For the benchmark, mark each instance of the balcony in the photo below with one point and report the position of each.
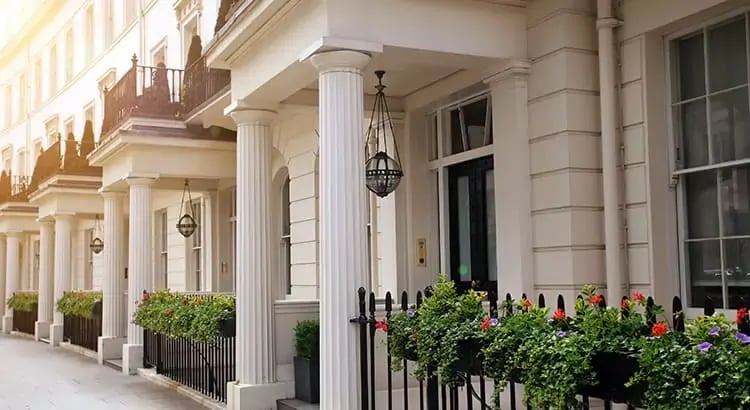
(227, 9)
(13, 188)
(203, 85)
(65, 158)
(151, 92)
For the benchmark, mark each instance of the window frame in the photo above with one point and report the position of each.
(196, 244)
(678, 172)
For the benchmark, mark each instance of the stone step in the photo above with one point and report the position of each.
(294, 404)
(114, 364)
(43, 340)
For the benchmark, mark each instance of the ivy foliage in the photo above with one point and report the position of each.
(23, 301)
(307, 339)
(197, 318)
(79, 303)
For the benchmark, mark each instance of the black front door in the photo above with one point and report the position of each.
(471, 200)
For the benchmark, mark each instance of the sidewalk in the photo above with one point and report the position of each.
(37, 376)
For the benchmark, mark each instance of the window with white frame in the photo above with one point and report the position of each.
(69, 55)
(69, 127)
(90, 43)
(37, 85)
(51, 127)
(233, 236)
(196, 250)
(162, 246)
(286, 238)
(35, 263)
(53, 64)
(22, 84)
(711, 130)
(88, 278)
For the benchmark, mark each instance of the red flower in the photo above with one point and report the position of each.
(595, 299)
(526, 303)
(485, 323)
(625, 304)
(638, 296)
(559, 315)
(659, 329)
(382, 326)
(741, 315)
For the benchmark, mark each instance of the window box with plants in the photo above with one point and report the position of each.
(80, 303)
(23, 301)
(307, 361)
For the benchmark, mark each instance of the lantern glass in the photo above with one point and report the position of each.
(382, 174)
(96, 245)
(186, 225)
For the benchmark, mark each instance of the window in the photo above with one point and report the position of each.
(163, 246)
(8, 101)
(7, 159)
(711, 126)
(90, 44)
(469, 126)
(233, 235)
(88, 276)
(51, 127)
(69, 127)
(35, 263)
(88, 113)
(53, 64)
(109, 30)
(37, 85)
(197, 246)
(286, 238)
(159, 54)
(37, 151)
(21, 109)
(130, 11)
(69, 55)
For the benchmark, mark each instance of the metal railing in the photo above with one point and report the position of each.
(202, 84)
(206, 368)
(84, 332)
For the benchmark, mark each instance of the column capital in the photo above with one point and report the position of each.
(111, 194)
(340, 60)
(140, 181)
(63, 216)
(245, 115)
(13, 234)
(515, 70)
(45, 220)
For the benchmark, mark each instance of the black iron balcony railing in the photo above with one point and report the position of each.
(13, 188)
(143, 91)
(202, 84)
(64, 158)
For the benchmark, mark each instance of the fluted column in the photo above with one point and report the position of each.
(46, 264)
(139, 266)
(12, 272)
(63, 232)
(255, 350)
(2, 276)
(343, 220)
(113, 306)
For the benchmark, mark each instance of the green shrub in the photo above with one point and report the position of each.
(307, 339)
(79, 303)
(23, 301)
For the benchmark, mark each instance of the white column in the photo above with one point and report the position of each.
(343, 219)
(139, 265)
(112, 339)
(508, 89)
(46, 263)
(12, 273)
(256, 386)
(63, 255)
(2, 276)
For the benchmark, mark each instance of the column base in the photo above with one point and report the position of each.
(109, 348)
(55, 334)
(41, 330)
(132, 358)
(7, 324)
(258, 396)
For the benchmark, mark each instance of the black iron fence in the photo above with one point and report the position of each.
(206, 368)
(84, 332)
(476, 390)
(23, 321)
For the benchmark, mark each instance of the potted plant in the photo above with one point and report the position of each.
(307, 361)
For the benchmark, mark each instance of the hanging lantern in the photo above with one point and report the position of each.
(186, 224)
(383, 168)
(97, 244)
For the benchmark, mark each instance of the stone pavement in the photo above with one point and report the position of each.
(36, 376)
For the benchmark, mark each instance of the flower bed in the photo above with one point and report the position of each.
(198, 318)
(23, 301)
(622, 354)
(79, 303)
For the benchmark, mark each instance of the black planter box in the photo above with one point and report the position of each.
(613, 371)
(228, 327)
(470, 357)
(307, 379)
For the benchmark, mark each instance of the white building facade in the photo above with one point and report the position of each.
(545, 144)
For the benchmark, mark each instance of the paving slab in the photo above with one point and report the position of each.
(37, 376)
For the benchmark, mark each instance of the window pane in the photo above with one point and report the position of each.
(457, 142)
(464, 228)
(737, 269)
(730, 125)
(735, 183)
(692, 133)
(489, 186)
(432, 136)
(475, 121)
(705, 272)
(690, 63)
(727, 59)
(702, 207)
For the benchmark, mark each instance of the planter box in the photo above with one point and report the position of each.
(228, 327)
(307, 379)
(470, 357)
(613, 370)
